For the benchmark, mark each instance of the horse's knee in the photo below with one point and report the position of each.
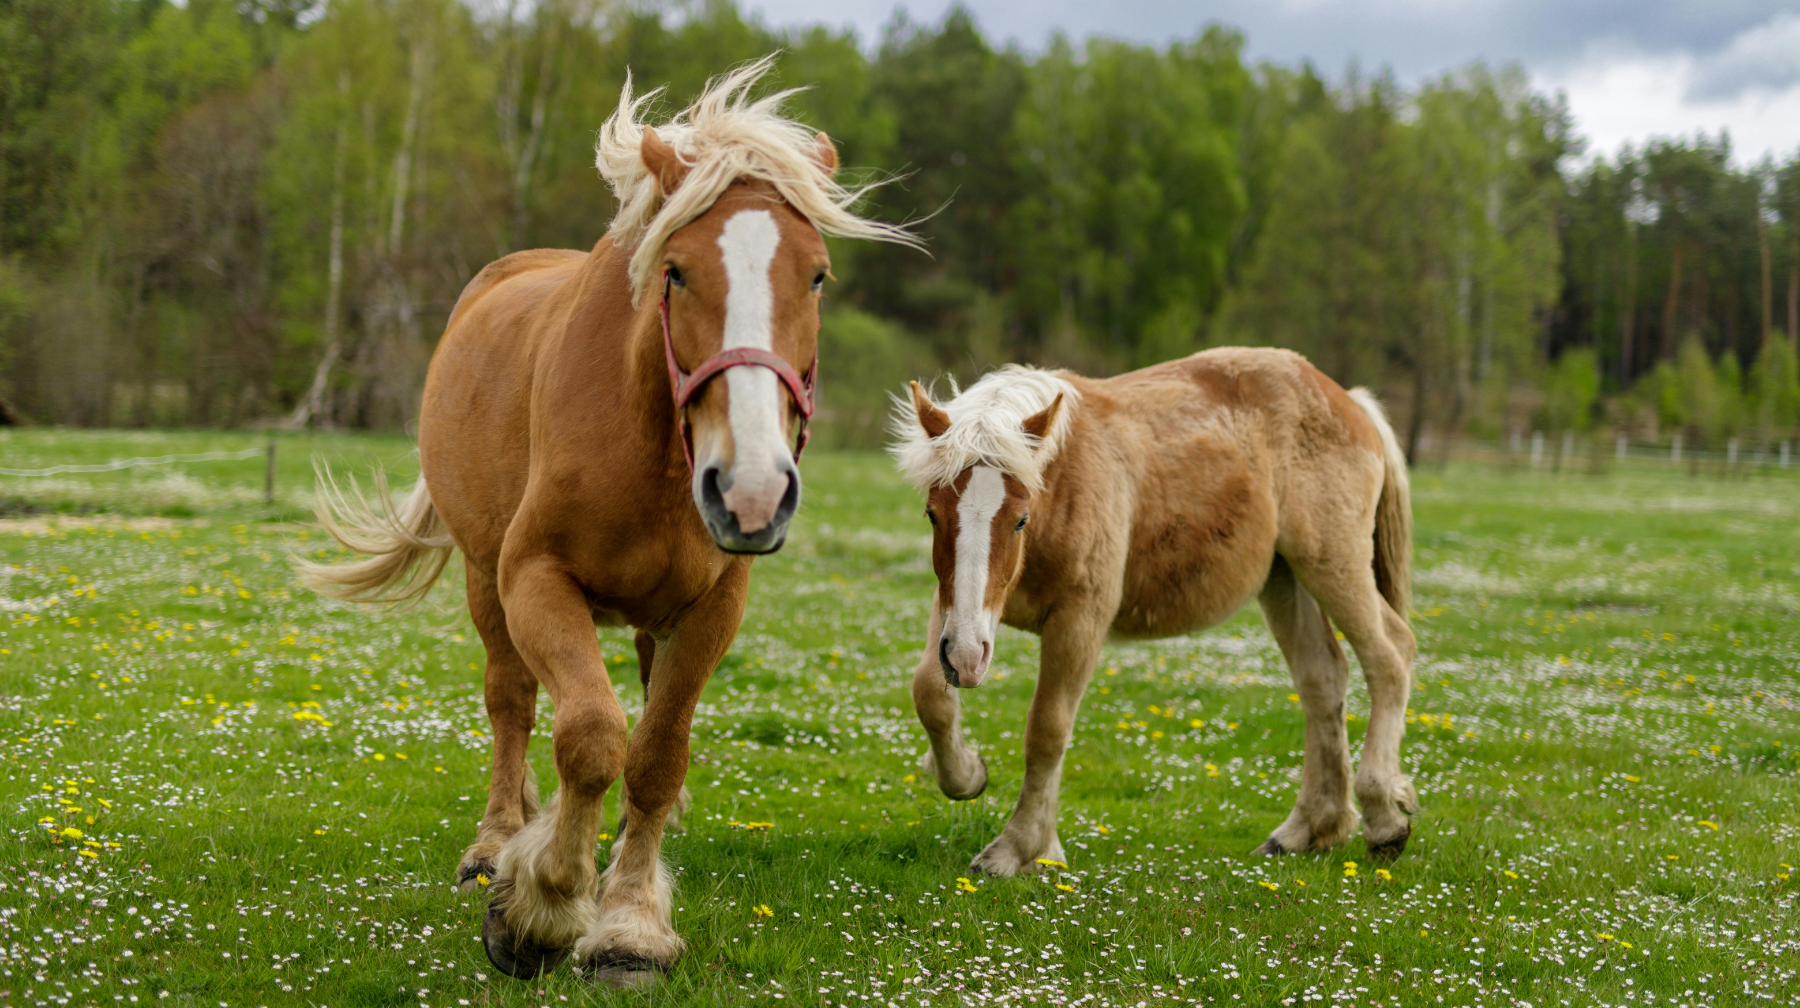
(589, 746)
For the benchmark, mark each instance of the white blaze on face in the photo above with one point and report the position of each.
(981, 501)
(748, 242)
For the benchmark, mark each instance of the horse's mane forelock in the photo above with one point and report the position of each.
(986, 426)
(722, 137)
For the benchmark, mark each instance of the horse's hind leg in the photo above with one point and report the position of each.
(1322, 815)
(511, 692)
(1344, 584)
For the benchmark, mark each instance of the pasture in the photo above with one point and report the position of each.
(220, 790)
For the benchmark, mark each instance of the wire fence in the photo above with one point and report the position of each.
(267, 452)
(1602, 453)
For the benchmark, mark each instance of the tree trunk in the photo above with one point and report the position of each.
(1794, 280)
(313, 405)
(1768, 283)
(1673, 302)
(1415, 424)
(1628, 313)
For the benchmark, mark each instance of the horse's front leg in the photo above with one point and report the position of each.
(634, 936)
(1071, 645)
(961, 773)
(545, 889)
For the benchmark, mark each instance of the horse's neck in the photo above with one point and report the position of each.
(641, 373)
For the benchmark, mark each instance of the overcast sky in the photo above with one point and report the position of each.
(1631, 68)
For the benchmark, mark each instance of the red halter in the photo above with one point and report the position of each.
(687, 384)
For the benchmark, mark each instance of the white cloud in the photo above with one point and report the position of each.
(1632, 69)
(1620, 99)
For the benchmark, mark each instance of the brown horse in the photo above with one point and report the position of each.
(1153, 504)
(608, 437)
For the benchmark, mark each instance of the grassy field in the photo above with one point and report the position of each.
(220, 790)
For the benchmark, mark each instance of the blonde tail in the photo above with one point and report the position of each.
(1393, 513)
(405, 543)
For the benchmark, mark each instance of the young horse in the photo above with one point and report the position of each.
(577, 448)
(1153, 504)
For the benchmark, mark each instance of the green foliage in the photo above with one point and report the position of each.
(861, 356)
(1572, 389)
(177, 181)
(1775, 387)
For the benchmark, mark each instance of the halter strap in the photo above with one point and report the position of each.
(687, 384)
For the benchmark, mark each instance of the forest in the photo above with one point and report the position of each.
(234, 213)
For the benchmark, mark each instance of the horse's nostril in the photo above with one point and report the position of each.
(950, 675)
(790, 499)
(712, 496)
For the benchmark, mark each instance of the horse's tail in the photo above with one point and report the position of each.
(405, 543)
(1393, 513)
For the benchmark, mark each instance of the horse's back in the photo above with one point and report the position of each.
(474, 423)
(1230, 450)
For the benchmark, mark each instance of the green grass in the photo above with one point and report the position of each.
(1604, 743)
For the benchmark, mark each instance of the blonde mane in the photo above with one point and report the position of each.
(986, 426)
(722, 137)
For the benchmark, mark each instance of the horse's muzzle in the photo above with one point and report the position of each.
(723, 524)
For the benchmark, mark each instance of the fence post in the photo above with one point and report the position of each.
(1568, 451)
(1675, 449)
(1784, 454)
(1537, 449)
(269, 473)
(1731, 452)
(1619, 450)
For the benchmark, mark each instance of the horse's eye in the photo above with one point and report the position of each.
(819, 281)
(1022, 520)
(675, 277)
(931, 518)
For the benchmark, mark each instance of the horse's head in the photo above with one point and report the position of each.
(742, 283)
(978, 521)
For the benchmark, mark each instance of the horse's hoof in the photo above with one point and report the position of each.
(620, 970)
(1387, 850)
(1270, 848)
(519, 958)
(477, 876)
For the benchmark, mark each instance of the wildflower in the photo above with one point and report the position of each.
(1709, 824)
(1624, 944)
(1070, 888)
(70, 831)
(1299, 882)
(1512, 874)
(1349, 869)
(1632, 779)
(762, 910)
(965, 885)
(1196, 723)
(482, 880)
(1051, 864)
(1603, 936)
(1384, 873)
(1266, 884)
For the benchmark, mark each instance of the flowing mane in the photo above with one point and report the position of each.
(723, 137)
(986, 426)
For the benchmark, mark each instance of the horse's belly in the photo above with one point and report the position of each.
(1164, 599)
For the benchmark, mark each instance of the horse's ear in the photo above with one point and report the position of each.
(1039, 424)
(825, 153)
(664, 165)
(934, 420)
